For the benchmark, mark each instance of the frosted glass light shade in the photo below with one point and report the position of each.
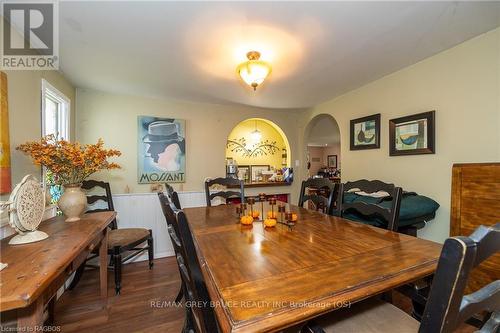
(253, 72)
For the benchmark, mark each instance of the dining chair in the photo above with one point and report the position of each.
(371, 210)
(321, 202)
(173, 197)
(165, 203)
(447, 306)
(198, 318)
(226, 194)
(119, 240)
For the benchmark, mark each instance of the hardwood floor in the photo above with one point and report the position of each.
(79, 310)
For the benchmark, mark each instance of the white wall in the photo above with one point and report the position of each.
(462, 85)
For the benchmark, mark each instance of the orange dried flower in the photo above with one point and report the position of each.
(70, 162)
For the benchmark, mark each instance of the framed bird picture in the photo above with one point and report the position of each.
(412, 135)
(365, 132)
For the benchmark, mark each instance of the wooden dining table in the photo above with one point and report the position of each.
(37, 270)
(266, 279)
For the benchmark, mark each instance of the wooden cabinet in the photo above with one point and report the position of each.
(475, 200)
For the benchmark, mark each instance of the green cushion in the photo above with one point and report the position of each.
(414, 209)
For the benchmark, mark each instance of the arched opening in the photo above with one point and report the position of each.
(322, 143)
(260, 149)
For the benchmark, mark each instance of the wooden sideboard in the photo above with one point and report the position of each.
(475, 200)
(37, 270)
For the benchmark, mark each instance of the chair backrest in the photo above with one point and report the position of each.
(173, 197)
(195, 287)
(371, 210)
(325, 203)
(107, 198)
(447, 306)
(228, 181)
(168, 212)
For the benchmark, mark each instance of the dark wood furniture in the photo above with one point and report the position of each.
(227, 182)
(391, 216)
(165, 203)
(200, 318)
(475, 200)
(447, 306)
(121, 241)
(320, 202)
(278, 277)
(37, 270)
(172, 195)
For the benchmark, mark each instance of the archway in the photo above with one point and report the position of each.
(255, 143)
(322, 145)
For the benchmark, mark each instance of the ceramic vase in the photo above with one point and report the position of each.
(73, 202)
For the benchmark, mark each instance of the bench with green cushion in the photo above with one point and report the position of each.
(415, 210)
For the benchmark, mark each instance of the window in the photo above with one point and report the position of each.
(55, 112)
(55, 120)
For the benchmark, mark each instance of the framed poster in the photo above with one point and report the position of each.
(412, 135)
(365, 132)
(161, 150)
(257, 172)
(5, 175)
(332, 161)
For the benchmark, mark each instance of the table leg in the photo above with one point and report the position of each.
(103, 268)
(30, 318)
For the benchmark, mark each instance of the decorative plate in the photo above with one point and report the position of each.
(27, 205)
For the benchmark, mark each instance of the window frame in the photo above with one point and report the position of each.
(64, 116)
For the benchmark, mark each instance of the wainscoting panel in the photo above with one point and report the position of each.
(142, 210)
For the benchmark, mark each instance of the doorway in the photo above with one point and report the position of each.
(322, 142)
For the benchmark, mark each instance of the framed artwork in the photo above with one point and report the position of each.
(412, 135)
(244, 173)
(161, 150)
(332, 161)
(256, 171)
(365, 132)
(5, 175)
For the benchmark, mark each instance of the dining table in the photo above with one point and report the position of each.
(265, 279)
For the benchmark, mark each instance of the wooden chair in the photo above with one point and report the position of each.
(224, 194)
(173, 197)
(325, 204)
(165, 203)
(120, 241)
(389, 215)
(198, 318)
(447, 306)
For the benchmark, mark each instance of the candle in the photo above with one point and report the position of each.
(281, 210)
(262, 198)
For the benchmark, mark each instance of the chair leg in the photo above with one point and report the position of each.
(180, 294)
(188, 321)
(50, 311)
(117, 262)
(150, 249)
(78, 276)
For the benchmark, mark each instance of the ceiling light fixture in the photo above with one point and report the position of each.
(254, 71)
(256, 135)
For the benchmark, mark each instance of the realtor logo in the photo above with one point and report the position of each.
(30, 35)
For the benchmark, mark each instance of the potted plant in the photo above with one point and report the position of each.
(70, 164)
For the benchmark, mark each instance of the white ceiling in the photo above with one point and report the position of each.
(189, 50)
